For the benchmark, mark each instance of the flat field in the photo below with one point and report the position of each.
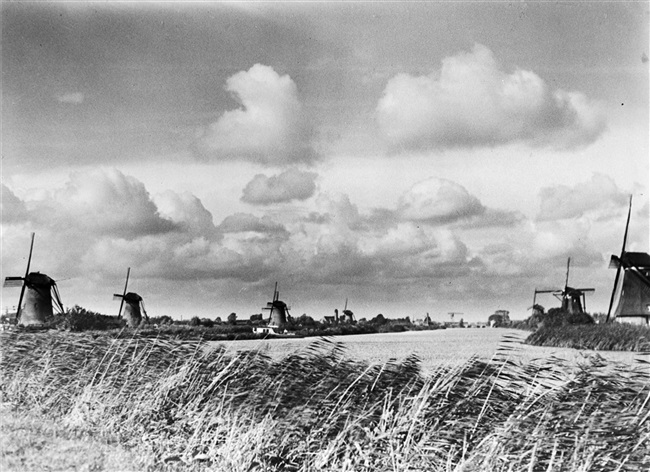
(436, 348)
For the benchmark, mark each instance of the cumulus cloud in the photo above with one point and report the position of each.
(600, 196)
(12, 208)
(470, 101)
(108, 202)
(287, 186)
(187, 211)
(245, 222)
(269, 128)
(438, 201)
(72, 98)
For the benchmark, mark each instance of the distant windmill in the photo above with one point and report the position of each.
(573, 299)
(132, 303)
(278, 310)
(41, 294)
(348, 316)
(634, 290)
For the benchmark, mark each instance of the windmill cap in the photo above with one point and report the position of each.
(132, 297)
(638, 259)
(36, 278)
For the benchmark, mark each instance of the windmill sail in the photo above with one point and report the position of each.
(631, 293)
(13, 282)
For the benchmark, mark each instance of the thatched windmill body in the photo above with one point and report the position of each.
(573, 299)
(632, 290)
(131, 305)
(38, 291)
(278, 310)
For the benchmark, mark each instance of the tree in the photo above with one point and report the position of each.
(232, 318)
(195, 321)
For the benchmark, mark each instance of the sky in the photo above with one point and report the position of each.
(410, 157)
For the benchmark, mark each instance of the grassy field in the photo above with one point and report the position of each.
(84, 402)
(434, 349)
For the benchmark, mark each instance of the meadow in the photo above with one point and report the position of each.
(90, 402)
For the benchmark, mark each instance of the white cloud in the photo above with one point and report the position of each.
(438, 201)
(470, 101)
(72, 98)
(599, 196)
(245, 222)
(12, 209)
(187, 211)
(269, 128)
(285, 187)
(106, 202)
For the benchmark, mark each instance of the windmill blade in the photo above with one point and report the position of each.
(143, 310)
(568, 266)
(627, 227)
(20, 302)
(346, 304)
(57, 298)
(117, 296)
(22, 289)
(611, 300)
(126, 284)
(13, 282)
(614, 262)
(29, 259)
(618, 261)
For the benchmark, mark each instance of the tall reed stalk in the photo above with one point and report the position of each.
(190, 408)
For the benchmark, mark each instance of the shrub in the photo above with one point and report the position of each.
(78, 318)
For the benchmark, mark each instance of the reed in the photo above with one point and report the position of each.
(599, 337)
(184, 407)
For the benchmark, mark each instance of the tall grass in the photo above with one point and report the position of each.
(185, 407)
(600, 337)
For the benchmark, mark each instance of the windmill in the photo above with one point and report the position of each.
(348, 316)
(573, 299)
(40, 293)
(132, 303)
(634, 290)
(278, 310)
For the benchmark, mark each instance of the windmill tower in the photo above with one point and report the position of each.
(132, 303)
(633, 291)
(348, 316)
(39, 292)
(573, 299)
(278, 310)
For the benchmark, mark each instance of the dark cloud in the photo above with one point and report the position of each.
(470, 101)
(285, 187)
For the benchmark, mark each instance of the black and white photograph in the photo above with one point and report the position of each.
(325, 236)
